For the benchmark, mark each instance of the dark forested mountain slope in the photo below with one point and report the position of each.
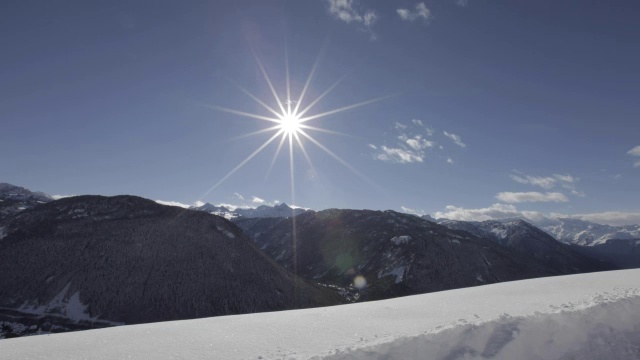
(396, 253)
(624, 253)
(129, 260)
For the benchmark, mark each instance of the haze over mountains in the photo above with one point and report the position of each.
(93, 261)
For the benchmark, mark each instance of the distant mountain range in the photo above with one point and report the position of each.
(401, 254)
(262, 211)
(580, 232)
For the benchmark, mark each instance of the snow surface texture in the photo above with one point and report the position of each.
(587, 316)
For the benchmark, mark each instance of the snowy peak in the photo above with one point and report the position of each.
(525, 238)
(280, 210)
(14, 199)
(586, 233)
(8, 191)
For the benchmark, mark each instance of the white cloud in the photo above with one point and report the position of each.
(455, 138)
(501, 211)
(400, 126)
(173, 203)
(57, 197)
(238, 196)
(617, 176)
(635, 151)
(421, 12)
(198, 203)
(531, 196)
(417, 122)
(637, 164)
(450, 160)
(398, 155)
(615, 218)
(257, 200)
(462, 3)
(346, 10)
(418, 143)
(373, 146)
(412, 211)
(495, 211)
(543, 182)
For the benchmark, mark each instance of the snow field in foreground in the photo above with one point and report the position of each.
(587, 316)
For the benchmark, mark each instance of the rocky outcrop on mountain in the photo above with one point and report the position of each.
(527, 239)
(394, 253)
(105, 260)
(14, 199)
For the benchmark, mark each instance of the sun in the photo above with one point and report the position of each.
(290, 124)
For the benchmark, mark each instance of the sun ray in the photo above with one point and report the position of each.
(256, 133)
(268, 80)
(243, 162)
(275, 156)
(345, 108)
(309, 78)
(286, 65)
(242, 113)
(314, 102)
(305, 126)
(293, 211)
(304, 152)
(255, 98)
(336, 157)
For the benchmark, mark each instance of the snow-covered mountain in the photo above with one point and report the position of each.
(589, 317)
(14, 199)
(527, 239)
(580, 232)
(91, 261)
(262, 211)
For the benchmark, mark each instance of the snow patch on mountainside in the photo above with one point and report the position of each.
(69, 307)
(587, 316)
(404, 239)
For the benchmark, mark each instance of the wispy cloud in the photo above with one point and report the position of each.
(565, 181)
(173, 203)
(398, 155)
(495, 211)
(635, 152)
(501, 211)
(462, 3)
(347, 11)
(615, 218)
(411, 144)
(455, 138)
(412, 211)
(257, 200)
(420, 12)
(57, 197)
(531, 196)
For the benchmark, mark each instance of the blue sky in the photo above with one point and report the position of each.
(494, 109)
